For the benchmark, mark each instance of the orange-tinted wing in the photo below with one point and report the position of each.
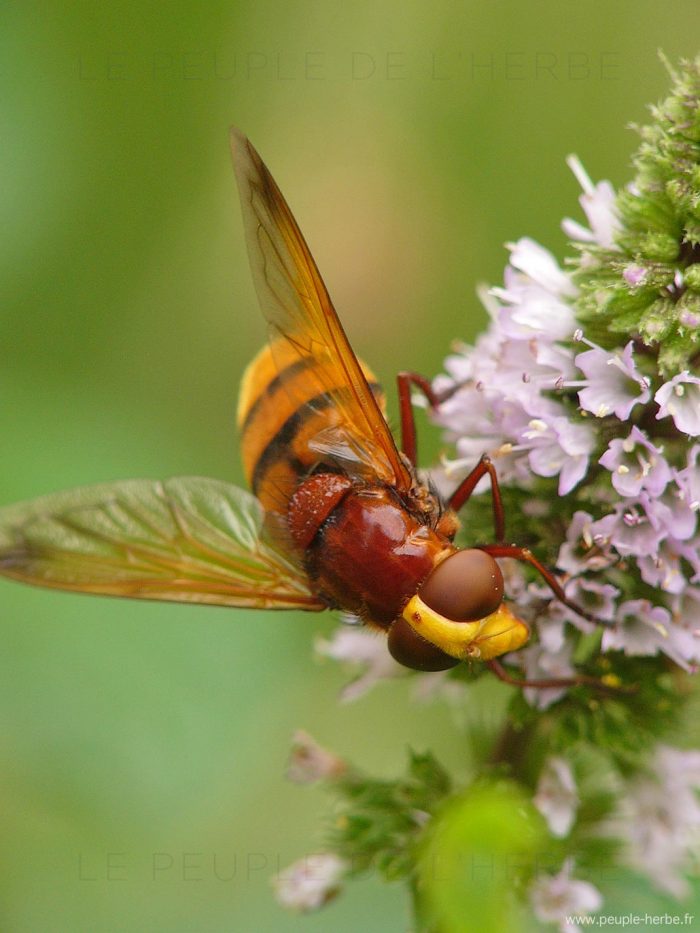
(188, 539)
(304, 324)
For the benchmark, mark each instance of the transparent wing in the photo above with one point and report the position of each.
(298, 309)
(188, 539)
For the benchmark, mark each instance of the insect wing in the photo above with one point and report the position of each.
(304, 326)
(187, 539)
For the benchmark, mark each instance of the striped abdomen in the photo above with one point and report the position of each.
(283, 407)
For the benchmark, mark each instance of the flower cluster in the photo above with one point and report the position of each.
(656, 816)
(610, 428)
(659, 820)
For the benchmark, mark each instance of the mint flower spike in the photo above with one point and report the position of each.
(526, 397)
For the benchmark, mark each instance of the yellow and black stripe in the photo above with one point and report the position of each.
(285, 402)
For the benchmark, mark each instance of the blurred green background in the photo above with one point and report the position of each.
(412, 141)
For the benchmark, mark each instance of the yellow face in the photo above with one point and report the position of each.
(480, 640)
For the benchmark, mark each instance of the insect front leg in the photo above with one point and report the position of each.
(463, 492)
(526, 556)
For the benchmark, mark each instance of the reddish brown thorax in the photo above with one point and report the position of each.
(367, 553)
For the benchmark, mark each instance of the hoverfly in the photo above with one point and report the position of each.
(337, 518)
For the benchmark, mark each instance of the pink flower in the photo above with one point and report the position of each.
(585, 548)
(556, 797)
(642, 629)
(309, 762)
(559, 898)
(679, 398)
(559, 447)
(688, 480)
(613, 384)
(598, 203)
(634, 275)
(311, 882)
(597, 597)
(636, 464)
(636, 527)
(663, 569)
(541, 267)
(539, 664)
(365, 649)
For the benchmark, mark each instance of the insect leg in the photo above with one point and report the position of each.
(404, 381)
(462, 493)
(555, 682)
(409, 447)
(525, 554)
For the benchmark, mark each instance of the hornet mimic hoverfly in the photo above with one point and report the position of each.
(338, 517)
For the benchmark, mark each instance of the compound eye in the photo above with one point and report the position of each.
(468, 585)
(408, 648)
